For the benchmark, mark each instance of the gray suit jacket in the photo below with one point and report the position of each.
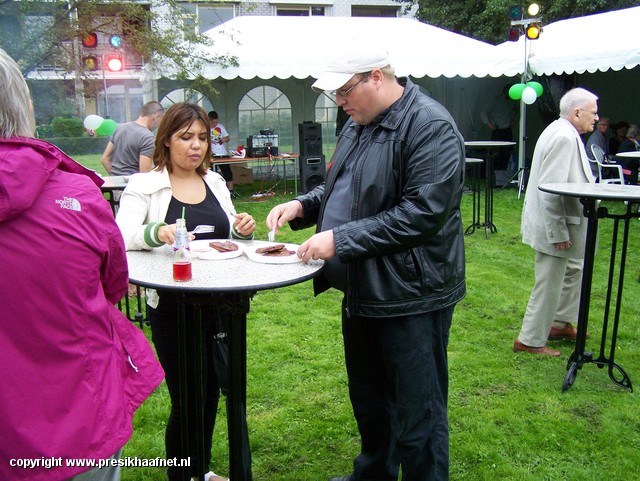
(547, 219)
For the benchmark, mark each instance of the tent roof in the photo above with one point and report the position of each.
(301, 47)
(584, 44)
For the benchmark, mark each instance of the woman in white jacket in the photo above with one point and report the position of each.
(148, 209)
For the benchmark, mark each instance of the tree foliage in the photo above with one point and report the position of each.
(487, 20)
(40, 33)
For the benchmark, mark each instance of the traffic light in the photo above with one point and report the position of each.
(515, 12)
(533, 31)
(90, 40)
(531, 26)
(513, 34)
(114, 62)
(90, 62)
(115, 41)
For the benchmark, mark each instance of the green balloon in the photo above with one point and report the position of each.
(107, 128)
(535, 86)
(515, 92)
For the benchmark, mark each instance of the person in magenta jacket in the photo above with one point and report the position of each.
(73, 368)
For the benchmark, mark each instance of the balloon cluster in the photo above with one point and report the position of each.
(528, 92)
(102, 127)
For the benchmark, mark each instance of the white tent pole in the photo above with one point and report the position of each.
(523, 124)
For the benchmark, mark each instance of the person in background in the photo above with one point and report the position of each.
(219, 137)
(149, 207)
(390, 232)
(131, 145)
(630, 144)
(555, 227)
(598, 137)
(619, 134)
(499, 115)
(74, 369)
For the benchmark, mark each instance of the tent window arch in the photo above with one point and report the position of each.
(186, 95)
(326, 114)
(266, 107)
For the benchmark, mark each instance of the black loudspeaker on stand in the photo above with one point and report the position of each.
(311, 163)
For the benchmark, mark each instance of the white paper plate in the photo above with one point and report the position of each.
(200, 249)
(292, 259)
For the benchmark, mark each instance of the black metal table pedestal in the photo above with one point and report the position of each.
(579, 357)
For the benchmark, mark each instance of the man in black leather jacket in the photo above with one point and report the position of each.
(390, 232)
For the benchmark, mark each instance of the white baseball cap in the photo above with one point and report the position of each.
(351, 61)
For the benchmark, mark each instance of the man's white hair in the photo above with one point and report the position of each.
(575, 99)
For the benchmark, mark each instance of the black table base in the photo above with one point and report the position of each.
(474, 174)
(579, 357)
(237, 304)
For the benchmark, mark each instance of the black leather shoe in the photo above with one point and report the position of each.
(342, 478)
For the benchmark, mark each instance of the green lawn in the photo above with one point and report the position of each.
(508, 417)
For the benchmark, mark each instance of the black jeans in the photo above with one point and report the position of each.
(164, 333)
(398, 385)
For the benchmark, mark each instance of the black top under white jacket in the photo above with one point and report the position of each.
(404, 244)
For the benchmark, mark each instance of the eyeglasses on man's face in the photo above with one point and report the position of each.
(594, 113)
(346, 92)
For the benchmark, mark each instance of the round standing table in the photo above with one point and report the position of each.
(113, 185)
(589, 195)
(491, 146)
(227, 284)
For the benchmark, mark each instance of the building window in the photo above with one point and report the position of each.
(300, 11)
(208, 16)
(373, 11)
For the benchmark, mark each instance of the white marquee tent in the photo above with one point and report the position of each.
(300, 47)
(460, 72)
(591, 43)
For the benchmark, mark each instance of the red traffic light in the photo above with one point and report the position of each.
(114, 63)
(90, 41)
(513, 34)
(90, 62)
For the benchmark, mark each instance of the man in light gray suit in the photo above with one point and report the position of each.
(553, 225)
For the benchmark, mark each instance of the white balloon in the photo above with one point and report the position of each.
(529, 95)
(92, 122)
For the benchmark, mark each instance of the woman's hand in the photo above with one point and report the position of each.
(167, 234)
(244, 224)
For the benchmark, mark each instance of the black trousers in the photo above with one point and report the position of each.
(224, 169)
(164, 333)
(398, 385)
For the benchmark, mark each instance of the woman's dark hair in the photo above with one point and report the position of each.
(179, 117)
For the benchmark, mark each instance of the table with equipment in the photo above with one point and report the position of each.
(269, 161)
(590, 195)
(490, 146)
(228, 284)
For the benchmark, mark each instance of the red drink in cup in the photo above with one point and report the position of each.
(182, 271)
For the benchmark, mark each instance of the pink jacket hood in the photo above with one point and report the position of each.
(21, 181)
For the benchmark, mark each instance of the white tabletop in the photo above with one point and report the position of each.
(595, 191)
(240, 274)
(115, 181)
(634, 154)
(473, 160)
(488, 143)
